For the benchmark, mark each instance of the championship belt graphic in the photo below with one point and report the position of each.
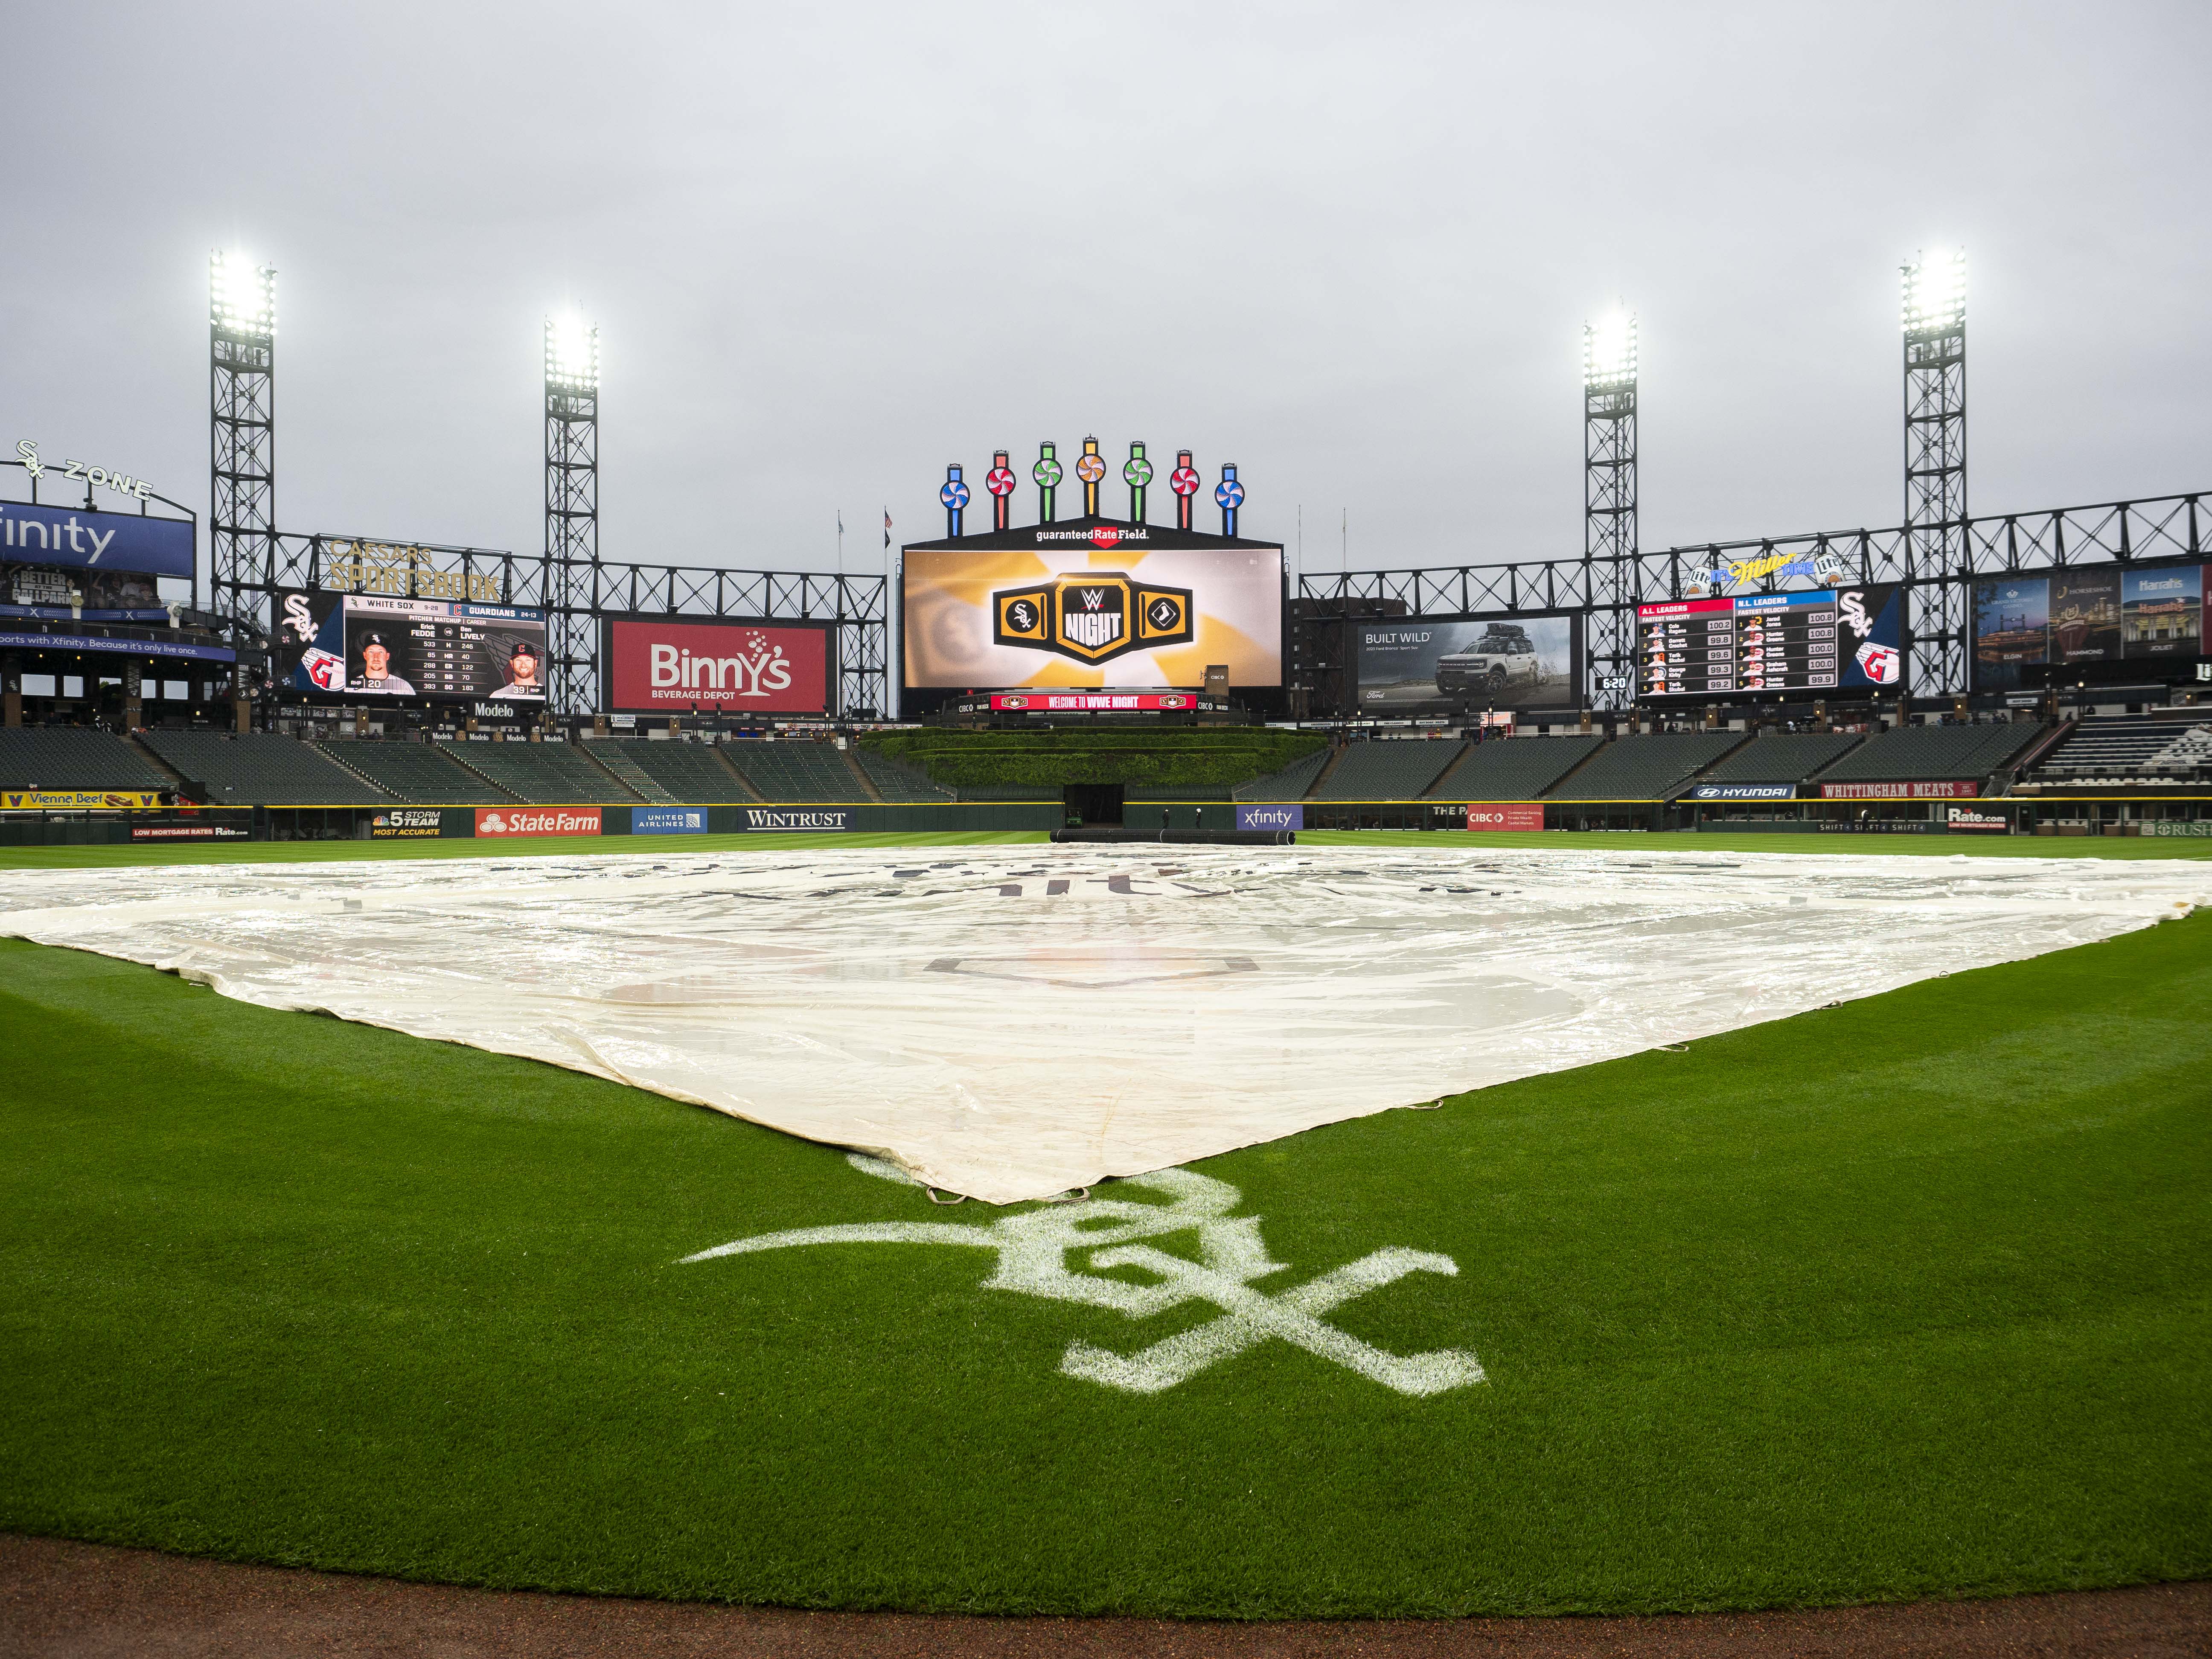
(1093, 618)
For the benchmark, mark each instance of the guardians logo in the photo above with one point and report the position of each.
(1093, 618)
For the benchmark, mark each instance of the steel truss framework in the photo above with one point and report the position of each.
(242, 444)
(1609, 505)
(572, 516)
(1939, 582)
(573, 592)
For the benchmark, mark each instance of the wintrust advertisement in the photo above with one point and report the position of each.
(510, 821)
(667, 667)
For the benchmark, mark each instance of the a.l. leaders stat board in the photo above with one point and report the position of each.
(1825, 640)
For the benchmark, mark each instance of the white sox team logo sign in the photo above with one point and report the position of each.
(1092, 617)
(1059, 1252)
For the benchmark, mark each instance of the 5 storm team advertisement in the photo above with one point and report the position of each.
(662, 665)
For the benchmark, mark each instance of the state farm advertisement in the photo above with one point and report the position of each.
(537, 821)
(672, 667)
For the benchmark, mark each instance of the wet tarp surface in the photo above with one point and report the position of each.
(1027, 1019)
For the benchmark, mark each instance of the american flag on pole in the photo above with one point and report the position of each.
(887, 526)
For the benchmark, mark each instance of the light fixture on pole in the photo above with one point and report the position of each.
(1611, 569)
(1935, 326)
(571, 577)
(241, 441)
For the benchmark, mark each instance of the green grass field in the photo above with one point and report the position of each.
(1905, 1297)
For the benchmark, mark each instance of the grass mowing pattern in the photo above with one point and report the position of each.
(1902, 1298)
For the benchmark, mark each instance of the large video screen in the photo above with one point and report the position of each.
(670, 666)
(95, 566)
(1838, 641)
(2150, 618)
(365, 645)
(1085, 615)
(1432, 665)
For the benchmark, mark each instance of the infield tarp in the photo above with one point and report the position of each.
(1024, 1020)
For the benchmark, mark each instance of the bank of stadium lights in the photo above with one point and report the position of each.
(241, 296)
(1935, 293)
(1609, 349)
(571, 354)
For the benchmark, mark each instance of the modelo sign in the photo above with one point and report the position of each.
(509, 821)
(750, 668)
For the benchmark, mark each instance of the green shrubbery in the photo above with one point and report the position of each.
(1217, 756)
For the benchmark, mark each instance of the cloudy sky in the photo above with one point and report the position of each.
(1351, 248)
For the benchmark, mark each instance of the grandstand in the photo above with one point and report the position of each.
(1783, 758)
(688, 772)
(895, 782)
(610, 753)
(1516, 768)
(795, 771)
(1393, 770)
(259, 769)
(2129, 751)
(543, 774)
(418, 772)
(74, 758)
(1929, 753)
(1290, 783)
(1640, 768)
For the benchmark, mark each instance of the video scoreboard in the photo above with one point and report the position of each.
(1753, 642)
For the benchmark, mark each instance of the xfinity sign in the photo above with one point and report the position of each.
(1290, 816)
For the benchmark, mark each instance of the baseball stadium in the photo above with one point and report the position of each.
(1101, 1086)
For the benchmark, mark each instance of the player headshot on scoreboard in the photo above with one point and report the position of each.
(522, 680)
(376, 675)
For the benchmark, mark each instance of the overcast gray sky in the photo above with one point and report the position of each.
(1349, 248)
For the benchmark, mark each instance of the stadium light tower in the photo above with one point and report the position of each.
(572, 508)
(1935, 410)
(242, 425)
(1610, 573)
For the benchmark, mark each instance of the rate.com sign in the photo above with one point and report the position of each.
(657, 667)
(493, 821)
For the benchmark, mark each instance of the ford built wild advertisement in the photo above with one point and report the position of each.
(1429, 665)
(1077, 613)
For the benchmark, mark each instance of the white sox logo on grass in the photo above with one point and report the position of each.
(1092, 617)
(1035, 1248)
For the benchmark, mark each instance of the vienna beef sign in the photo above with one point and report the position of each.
(739, 668)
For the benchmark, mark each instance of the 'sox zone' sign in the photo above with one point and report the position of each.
(1505, 815)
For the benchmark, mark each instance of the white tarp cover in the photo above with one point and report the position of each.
(1021, 1020)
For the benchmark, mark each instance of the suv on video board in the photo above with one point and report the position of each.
(1502, 658)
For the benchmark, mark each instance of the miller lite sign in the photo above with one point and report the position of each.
(1092, 617)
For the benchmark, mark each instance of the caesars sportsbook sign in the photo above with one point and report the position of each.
(672, 667)
(1103, 607)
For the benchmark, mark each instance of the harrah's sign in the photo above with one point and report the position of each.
(665, 667)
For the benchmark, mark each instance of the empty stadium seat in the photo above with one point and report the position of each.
(2124, 750)
(1643, 768)
(543, 774)
(610, 753)
(1399, 769)
(418, 772)
(689, 772)
(1929, 753)
(795, 771)
(1289, 784)
(1514, 768)
(261, 768)
(895, 782)
(1783, 758)
(74, 758)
